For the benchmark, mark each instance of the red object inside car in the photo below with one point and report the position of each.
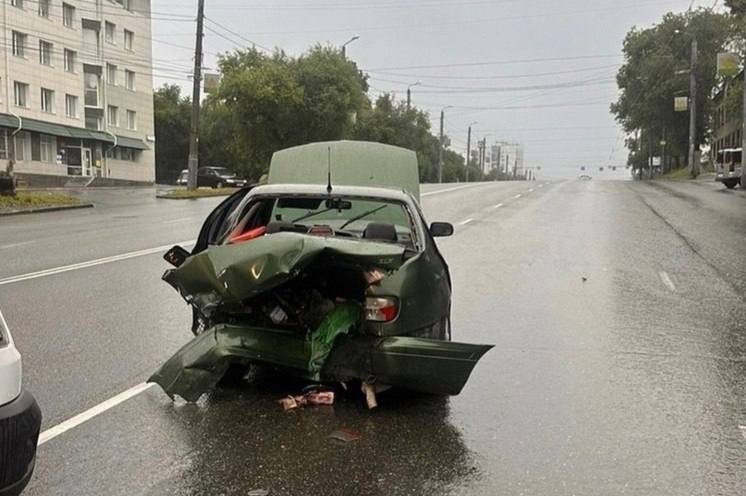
(250, 234)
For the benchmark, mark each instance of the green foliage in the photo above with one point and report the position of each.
(172, 120)
(737, 7)
(655, 70)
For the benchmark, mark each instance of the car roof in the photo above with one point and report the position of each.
(319, 189)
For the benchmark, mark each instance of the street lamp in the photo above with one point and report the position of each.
(344, 45)
(468, 151)
(440, 144)
(409, 92)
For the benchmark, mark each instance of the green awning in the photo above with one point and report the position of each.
(131, 143)
(54, 129)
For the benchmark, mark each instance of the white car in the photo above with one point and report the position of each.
(20, 420)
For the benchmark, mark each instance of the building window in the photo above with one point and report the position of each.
(109, 29)
(70, 58)
(68, 15)
(111, 74)
(129, 80)
(17, 3)
(3, 144)
(19, 44)
(93, 122)
(129, 38)
(47, 100)
(45, 52)
(131, 119)
(71, 106)
(112, 115)
(129, 154)
(23, 145)
(124, 3)
(91, 40)
(91, 89)
(48, 148)
(44, 8)
(21, 94)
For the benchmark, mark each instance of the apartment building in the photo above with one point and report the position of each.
(76, 89)
(508, 158)
(727, 125)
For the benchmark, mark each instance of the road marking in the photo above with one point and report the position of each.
(464, 222)
(498, 205)
(455, 188)
(518, 195)
(174, 221)
(742, 428)
(666, 280)
(531, 190)
(90, 263)
(539, 186)
(87, 415)
(14, 245)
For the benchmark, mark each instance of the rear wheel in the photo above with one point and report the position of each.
(731, 183)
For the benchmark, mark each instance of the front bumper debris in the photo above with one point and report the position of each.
(20, 422)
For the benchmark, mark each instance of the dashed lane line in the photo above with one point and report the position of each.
(464, 222)
(87, 415)
(174, 221)
(89, 263)
(498, 205)
(518, 195)
(666, 280)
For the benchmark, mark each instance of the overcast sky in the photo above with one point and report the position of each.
(538, 72)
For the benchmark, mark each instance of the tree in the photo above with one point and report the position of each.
(655, 70)
(172, 114)
(271, 102)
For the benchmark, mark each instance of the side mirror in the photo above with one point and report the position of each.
(441, 229)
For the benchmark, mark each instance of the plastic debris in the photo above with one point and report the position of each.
(369, 390)
(312, 397)
(346, 434)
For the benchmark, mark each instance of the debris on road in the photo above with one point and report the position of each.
(314, 396)
(369, 390)
(346, 435)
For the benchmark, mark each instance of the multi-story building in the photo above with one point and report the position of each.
(76, 88)
(727, 125)
(508, 158)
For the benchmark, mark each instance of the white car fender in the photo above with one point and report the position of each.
(10, 365)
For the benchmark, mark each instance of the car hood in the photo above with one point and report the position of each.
(226, 275)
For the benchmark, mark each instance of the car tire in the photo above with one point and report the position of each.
(730, 183)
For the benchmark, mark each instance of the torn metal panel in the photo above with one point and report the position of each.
(224, 276)
(431, 366)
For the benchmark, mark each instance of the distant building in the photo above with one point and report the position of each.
(727, 125)
(508, 158)
(77, 89)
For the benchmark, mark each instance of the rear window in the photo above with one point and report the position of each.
(354, 217)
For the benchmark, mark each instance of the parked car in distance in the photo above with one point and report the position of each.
(728, 167)
(20, 420)
(213, 177)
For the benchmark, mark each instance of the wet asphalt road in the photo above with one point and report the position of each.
(632, 381)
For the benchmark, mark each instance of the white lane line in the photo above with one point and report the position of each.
(498, 205)
(455, 188)
(539, 186)
(90, 263)
(464, 222)
(518, 195)
(742, 428)
(87, 415)
(666, 280)
(531, 190)
(14, 245)
(180, 219)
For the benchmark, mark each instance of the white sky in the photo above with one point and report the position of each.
(500, 40)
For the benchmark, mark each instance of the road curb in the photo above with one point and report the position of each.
(164, 197)
(40, 210)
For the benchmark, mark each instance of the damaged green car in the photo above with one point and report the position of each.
(329, 272)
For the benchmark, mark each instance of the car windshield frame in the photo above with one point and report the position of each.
(414, 230)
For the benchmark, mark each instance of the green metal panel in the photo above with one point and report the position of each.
(54, 129)
(353, 163)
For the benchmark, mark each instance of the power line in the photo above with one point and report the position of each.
(238, 35)
(501, 76)
(498, 62)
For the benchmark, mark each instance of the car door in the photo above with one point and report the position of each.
(215, 222)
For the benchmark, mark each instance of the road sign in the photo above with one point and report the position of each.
(656, 161)
(681, 104)
(727, 65)
(211, 82)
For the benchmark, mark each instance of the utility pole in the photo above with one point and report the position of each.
(743, 131)
(468, 154)
(693, 167)
(193, 161)
(409, 93)
(440, 148)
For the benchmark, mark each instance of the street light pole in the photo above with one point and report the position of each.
(409, 93)
(693, 167)
(743, 131)
(440, 147)
(468, 151)
(344, 45)
(193, 160)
